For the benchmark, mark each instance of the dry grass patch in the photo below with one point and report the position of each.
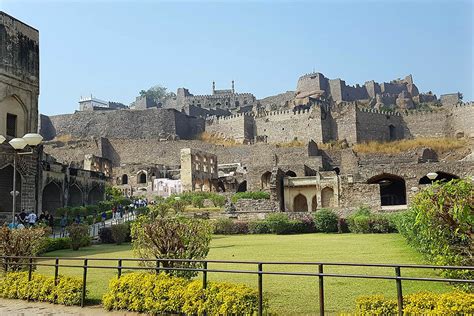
(63, 138)
(293, 143)
(440, 145)
(217, 140)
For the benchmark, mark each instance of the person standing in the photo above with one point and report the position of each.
(63, 224)
(32, 219)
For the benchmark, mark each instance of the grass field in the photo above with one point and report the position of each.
(288, 294)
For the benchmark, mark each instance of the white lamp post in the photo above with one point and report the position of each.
(30, 139)
(432, 175)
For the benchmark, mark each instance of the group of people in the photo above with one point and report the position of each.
(30, 219)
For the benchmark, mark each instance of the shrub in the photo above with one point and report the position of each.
(227, 226)
(342, 226)
(161, 293)
(325, 221)
(198, 201)
(105, 235)
(173, 238)
(439, 224)
(257, 195)
(259, 227)
(53, 244)
(423, 303)
(21, 242)
(41, 288)
(365, 222)
(279, 224)
(79, 235)
(218, 200)
(120, 232)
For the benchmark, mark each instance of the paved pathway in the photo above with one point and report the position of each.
(24, 308)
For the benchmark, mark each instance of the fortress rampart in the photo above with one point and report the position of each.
(146, 124)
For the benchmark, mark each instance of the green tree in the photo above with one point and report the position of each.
(157, 93)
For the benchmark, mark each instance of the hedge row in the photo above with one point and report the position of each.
(424, 303)
(324, 220)
(255, 195)
(161, 293)
(41, 288)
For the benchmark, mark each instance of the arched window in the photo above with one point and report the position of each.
(95, 195)
(13, 117)
(392, 189)
(300, 204)
(327, 197)
(392, 133)
(75, 196)
(124, 179)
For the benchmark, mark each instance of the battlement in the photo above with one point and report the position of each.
(392, 113)
(219, 96)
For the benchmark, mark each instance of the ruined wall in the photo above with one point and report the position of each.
(150, 123)
(426, 124)
(462, 121)
(239, 127)
(344, 122)
(378, 125)
(286, 126)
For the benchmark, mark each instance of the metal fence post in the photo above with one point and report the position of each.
(56, 271)
(84, 279)
(119, 268)
(204, 275)
(30, 269)
(6, 265)
(321, 290)
(399, 291)
(260, 289)
(158, 267)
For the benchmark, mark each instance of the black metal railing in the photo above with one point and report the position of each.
(260, 272)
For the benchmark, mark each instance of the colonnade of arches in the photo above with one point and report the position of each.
(309, 202)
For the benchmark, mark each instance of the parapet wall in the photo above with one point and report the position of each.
(145, 124)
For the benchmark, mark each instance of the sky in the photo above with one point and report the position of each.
(114, 49)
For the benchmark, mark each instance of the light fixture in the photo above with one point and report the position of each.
(18, 143)
(33, 139)
(414, 189)
(2, 139)
(432, 175)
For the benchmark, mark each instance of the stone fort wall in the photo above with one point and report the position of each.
(150, 123)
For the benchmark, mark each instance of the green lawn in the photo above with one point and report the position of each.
(288, 294)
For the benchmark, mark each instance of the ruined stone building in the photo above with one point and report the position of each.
(42, 182)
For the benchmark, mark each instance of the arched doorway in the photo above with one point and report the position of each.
(290, 173)
(392, 189)
(6, 186)
(242, 187)
(141, 178)
(442, 177)
(314, 204)
(51, 198)
(220, 186)
(95, 195)
(300, 204)
(75, 196)
(327, 197)
(124, 179)
(265, 179)
(392, 132)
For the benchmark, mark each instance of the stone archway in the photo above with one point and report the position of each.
(265, 180)
(242, 187)
(141, 177)
(76, 196)
(392, 189)
(14, 113)
(96, 194)
(51, 198)
(300, 204)
(327, 197)
(6, 186)
(290, 173)
(124, 179)
(442, 177)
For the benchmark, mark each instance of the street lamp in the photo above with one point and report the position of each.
(30, 139)
(432, 175)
